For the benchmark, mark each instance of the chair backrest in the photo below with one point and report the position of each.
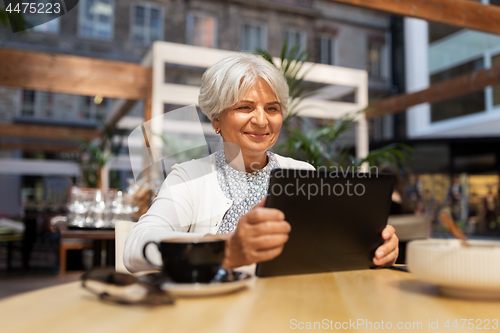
(409, 227)
(122, 228)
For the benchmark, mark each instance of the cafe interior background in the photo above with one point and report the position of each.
(64, 155)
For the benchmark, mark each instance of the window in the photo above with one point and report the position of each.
(254, 35)
(28, 103)
(59, 107)
(147, 23)
(326, 50)
(36, 104)
(201, 30)
(96, 19)
(51, 26)
(460, 105)
(49, 13)
(466, 68)
(93, 107)
(295, 37)
(183, 74)
(375, 59)
(438, 31)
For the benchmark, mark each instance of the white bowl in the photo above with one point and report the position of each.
(466, 272)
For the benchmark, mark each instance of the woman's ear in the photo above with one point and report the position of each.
(216, 124)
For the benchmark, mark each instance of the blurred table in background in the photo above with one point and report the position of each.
(75, 239)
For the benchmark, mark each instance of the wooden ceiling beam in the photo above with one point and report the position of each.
(462, 13)
(69, 134)
(39, 146)
(458, 86)
(74, 75)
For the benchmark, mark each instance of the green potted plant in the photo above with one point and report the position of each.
(322, 146)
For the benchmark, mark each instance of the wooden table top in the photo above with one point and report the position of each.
(277, 304)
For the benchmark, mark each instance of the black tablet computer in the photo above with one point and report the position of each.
(337, 219)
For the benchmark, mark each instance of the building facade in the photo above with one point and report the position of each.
(331, 33)
(124, 30)
(461, 134)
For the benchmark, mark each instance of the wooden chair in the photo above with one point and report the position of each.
(71, 244)
(66, 244)
(122, 228)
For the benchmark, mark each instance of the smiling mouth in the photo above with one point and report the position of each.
(257, 135)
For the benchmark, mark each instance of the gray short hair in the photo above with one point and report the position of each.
(224, 84)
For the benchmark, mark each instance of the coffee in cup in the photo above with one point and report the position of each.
(190, 260)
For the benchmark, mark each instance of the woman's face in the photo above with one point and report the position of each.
(254, 123)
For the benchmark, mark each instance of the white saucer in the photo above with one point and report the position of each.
(208, 289)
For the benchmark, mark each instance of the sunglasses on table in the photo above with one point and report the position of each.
(112, 286)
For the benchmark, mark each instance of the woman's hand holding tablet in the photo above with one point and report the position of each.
(260, 236)
(388, 252)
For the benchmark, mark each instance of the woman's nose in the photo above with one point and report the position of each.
(260, 117)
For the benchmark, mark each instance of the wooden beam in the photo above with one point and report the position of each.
(74, 75)
(462, 13)
(48, 132)
(441, 91)
(39, 146)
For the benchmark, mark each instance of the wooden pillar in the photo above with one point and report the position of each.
(147, 109)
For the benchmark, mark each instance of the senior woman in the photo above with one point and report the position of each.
(246, 98)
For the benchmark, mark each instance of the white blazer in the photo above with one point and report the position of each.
(190, 204)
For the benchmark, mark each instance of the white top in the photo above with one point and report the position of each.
(190, 204)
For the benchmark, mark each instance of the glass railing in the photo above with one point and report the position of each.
(460, 48)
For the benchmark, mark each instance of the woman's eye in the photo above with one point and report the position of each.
(243, 108)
